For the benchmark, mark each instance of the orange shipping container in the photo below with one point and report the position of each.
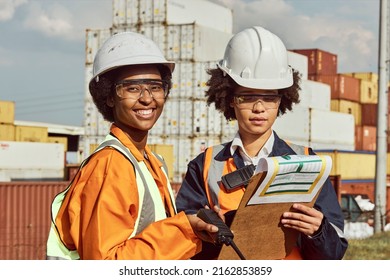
(319, 62)
(368, 86)
(359, 187)
(341, 86)
(365, 138)
(369, 114)
(25, 218)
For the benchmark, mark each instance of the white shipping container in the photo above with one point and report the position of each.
(186, 117)
(229, 129)
(186, 78)
(94, 39)
(318, 129)
(31, 155)
(332, 130)
(124, 11)
(200, 78)
(31, 160)
(8, 175)
(156, 32)
(132, 12)
(315, 95)
(298, 62)
(294, 126)
(185, 149)
(215, 120)
(207, 44)
(191, 42)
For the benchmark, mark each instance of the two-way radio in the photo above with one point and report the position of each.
(224, 235)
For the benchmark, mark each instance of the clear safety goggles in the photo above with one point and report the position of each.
(134, 89)
(248, 101)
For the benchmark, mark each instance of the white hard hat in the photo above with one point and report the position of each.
(257, 58)
(127, 48)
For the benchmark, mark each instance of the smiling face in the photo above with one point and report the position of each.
(256, 115)
(137, 116)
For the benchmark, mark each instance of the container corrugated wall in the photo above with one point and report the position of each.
(319, 62)
(187, 122)
(133, 12)
(25, 218)
(352, 165)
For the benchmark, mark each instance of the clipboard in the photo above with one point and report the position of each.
(257, 230)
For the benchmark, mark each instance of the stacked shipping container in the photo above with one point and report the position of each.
(195, 43)
(188, 125)
(312, 122)
(28, 152)
(354, 94)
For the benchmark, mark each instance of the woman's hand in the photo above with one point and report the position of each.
(306, 220)
(201, 228)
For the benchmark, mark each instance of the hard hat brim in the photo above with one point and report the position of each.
(283, 82)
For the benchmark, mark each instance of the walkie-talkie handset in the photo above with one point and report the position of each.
(239, 178)
(224, 235)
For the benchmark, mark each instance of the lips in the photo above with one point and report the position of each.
(258, 121)
(144, 113)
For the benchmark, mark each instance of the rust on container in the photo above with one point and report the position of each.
(319, 62)
(369, 114)
(25, 218)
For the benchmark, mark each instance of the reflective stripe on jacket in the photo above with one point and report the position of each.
(150, 208)
(214, 170)
(195, 193)
(226, 201)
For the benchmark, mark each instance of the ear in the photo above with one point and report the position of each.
(232, 104)
(110, 102)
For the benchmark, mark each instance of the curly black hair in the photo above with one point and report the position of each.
(221, 87)
(105, 88)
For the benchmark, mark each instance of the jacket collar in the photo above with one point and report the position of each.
(279, 148)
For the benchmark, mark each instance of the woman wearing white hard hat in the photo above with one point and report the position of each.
(120, 204)
(254, 84)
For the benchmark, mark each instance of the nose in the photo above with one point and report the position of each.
(257, 108)
(146, 97)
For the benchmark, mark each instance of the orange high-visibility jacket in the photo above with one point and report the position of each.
(100, 210)
(202, 186)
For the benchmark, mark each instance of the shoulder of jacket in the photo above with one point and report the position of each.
(298, 149)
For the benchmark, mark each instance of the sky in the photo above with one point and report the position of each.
(42, 44)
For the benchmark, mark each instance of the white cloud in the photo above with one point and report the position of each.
(8, 7)
(55, 20)
(67, 20)
(343, 31)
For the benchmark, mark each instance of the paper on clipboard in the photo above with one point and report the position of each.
(293, 178)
